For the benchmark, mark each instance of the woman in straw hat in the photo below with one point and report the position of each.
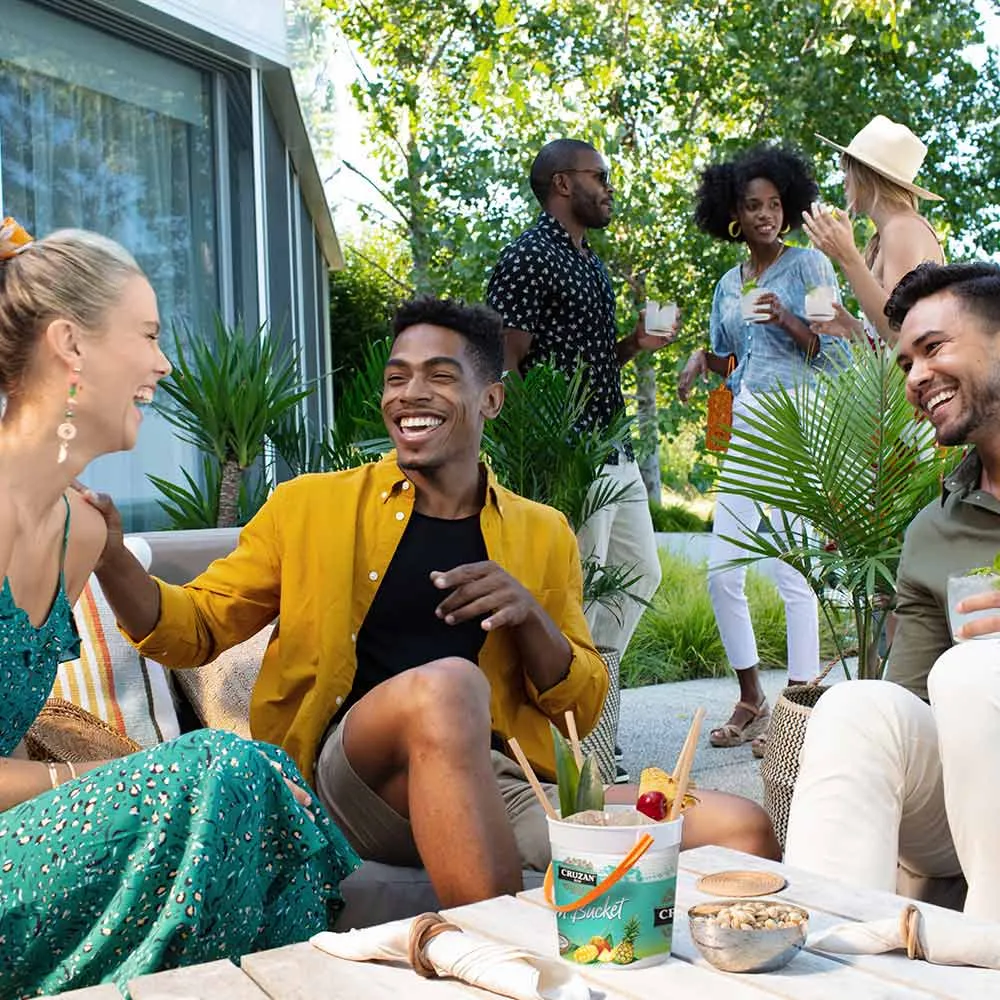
(195, 849)
(879, 166)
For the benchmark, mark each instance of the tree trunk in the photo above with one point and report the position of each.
(648, 425)
(229, 494)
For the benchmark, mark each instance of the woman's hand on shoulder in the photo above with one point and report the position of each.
(831, 232)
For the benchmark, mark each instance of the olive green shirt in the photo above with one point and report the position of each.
(955, 533)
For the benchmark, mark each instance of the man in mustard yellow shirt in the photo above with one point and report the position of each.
(426, 615)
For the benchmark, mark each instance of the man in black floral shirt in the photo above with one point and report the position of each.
(557, 303)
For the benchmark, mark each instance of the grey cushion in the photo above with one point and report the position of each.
(179, 556)
(377, 893)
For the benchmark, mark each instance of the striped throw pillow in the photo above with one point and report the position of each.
(110, 679)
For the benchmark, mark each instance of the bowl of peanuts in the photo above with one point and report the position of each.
(748, 935)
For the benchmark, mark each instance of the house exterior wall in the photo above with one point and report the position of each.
(257, 26)
(183, 140)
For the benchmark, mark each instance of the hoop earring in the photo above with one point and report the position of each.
(66, 431)
(735, 230)
(786, 230)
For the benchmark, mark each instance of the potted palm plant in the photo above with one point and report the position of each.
(356, 433)
(228, 390)
(539, 447)
(849, 468)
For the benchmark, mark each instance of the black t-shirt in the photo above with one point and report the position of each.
(401, 630)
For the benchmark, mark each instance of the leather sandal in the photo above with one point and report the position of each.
(731, 735)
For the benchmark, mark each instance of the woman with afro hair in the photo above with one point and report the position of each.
(756, 198)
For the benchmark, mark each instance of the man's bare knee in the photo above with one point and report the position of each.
(448, 700)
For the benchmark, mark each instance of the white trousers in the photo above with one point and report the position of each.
(734, 515)
(621, 534)
(885, 778)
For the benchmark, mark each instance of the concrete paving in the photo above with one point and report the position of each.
(655, 720)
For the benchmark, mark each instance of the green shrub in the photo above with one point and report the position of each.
(677, 638)
(676, 517)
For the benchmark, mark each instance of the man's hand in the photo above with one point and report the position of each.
(639, 340)
(980, 626)
(102, 503)
(646, 341)
(483, 589)
(129, 589)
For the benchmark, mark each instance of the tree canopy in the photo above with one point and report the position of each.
(459, 95)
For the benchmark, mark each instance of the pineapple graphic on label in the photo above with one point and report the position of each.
(624, 953)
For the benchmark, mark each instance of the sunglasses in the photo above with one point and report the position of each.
(603, 177)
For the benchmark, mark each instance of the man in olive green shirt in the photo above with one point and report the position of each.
(904, 772)
(959, 531)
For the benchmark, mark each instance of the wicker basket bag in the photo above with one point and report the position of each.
(65, 732)
(780, 767)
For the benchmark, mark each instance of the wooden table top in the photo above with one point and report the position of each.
(301, 972)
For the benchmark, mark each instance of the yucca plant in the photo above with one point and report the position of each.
(357, 433)
(538, 448)
(196, 504)
(228, 390)
(850, 469)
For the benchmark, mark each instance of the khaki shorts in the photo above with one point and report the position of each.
(378, 833)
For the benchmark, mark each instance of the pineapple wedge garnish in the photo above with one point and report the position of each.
(655, 779)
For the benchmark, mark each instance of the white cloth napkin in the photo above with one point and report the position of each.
(945, 938)
(501, 969)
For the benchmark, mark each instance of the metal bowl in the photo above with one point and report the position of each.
(734, 950)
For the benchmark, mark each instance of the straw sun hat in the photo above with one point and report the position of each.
(890, 149)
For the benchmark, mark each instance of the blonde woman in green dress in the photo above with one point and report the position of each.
(202, 848)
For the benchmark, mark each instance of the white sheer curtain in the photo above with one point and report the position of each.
(141, 172)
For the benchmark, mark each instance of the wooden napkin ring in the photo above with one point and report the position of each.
(909, 930)
(741, 884)
(424, 929)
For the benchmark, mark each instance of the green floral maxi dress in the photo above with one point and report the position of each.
(191, 851)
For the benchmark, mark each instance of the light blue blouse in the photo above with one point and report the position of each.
(766, 355)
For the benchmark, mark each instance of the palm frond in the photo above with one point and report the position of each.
(541, 447)
(845, 458)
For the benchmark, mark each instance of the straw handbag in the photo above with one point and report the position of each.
(719, 416)
(64, 731)
(780, 767)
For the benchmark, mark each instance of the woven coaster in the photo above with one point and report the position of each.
(740, 884)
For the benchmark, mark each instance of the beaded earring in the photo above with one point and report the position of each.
(66, 431)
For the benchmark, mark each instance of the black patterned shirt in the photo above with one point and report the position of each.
(543, 285)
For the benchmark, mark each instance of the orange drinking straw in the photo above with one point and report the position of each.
(640, 847)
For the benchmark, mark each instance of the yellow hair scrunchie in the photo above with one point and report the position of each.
(13, 238)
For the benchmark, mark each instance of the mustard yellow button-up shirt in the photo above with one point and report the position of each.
(314, 556)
